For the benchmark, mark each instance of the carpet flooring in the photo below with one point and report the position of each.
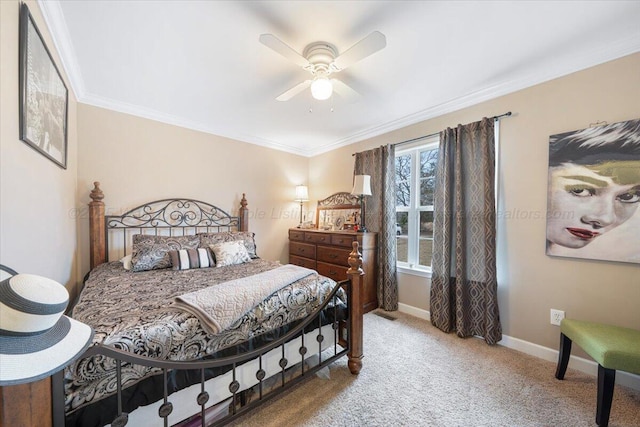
(415, 375)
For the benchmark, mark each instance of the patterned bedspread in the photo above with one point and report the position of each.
(135, 312)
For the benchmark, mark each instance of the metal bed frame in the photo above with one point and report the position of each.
(187, 215)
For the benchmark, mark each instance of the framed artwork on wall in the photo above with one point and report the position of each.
(593, 194)
(43, 95)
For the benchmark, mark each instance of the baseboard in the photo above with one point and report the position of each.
(581, 364)
(414, 311)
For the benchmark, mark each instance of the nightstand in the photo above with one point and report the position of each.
(26, 404)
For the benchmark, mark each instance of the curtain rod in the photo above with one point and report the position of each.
(498, 117)
(507, 114)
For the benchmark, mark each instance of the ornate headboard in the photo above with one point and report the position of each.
(339, 211)
(110, 235)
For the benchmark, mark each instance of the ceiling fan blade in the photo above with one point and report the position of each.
(365, 47)
(294, 91)
(274, 43)
(345, 91)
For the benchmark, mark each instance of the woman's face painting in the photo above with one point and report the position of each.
(585, 204)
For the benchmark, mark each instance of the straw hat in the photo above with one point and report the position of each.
(36, 339)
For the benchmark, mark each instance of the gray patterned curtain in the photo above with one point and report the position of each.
(380, 213)
(463, 282)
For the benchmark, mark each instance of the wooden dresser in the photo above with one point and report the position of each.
(327, 252)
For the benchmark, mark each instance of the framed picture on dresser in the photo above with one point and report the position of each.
(340, 211)
(43, 95)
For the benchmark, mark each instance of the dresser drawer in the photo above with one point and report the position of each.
(332, 271)
(302, 249)
(296, 235)
(333, 255)
(302, 262)
(342, 240)
(317, 238)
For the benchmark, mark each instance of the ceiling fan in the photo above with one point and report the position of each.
(321, 59)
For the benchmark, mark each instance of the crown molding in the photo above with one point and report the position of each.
(54, 19)
(148, 113)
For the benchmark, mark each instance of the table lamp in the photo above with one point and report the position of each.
(361, 188)
(302, 195)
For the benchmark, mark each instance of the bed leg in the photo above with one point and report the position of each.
(355, 310)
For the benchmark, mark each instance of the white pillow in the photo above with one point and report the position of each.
(230, 253)
(126, 262)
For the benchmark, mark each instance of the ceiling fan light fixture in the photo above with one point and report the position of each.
(321, 88)
(321, 59)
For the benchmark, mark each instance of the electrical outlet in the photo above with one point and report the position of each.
(556, 316)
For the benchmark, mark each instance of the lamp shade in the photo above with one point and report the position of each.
(321, 88)
(361, 185)
(302, 193)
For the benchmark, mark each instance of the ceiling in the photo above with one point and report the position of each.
(199, 64)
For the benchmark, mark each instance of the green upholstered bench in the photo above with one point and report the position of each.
(613, 347)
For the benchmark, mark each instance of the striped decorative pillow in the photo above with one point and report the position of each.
(185, 259)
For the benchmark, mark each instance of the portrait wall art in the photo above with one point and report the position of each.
(594, 193)
(43, 95)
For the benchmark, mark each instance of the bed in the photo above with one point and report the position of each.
(192, 328)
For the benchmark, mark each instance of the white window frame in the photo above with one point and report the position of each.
(412, 265)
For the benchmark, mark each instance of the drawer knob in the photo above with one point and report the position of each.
(333, 256)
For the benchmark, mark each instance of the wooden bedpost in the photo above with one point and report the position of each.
(97, 243)
(355, 310)
(243, 215)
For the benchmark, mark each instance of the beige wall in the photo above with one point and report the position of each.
(531, 283)
(138, 160)
(37, 197)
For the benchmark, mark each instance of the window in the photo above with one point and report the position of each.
(415, 184)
